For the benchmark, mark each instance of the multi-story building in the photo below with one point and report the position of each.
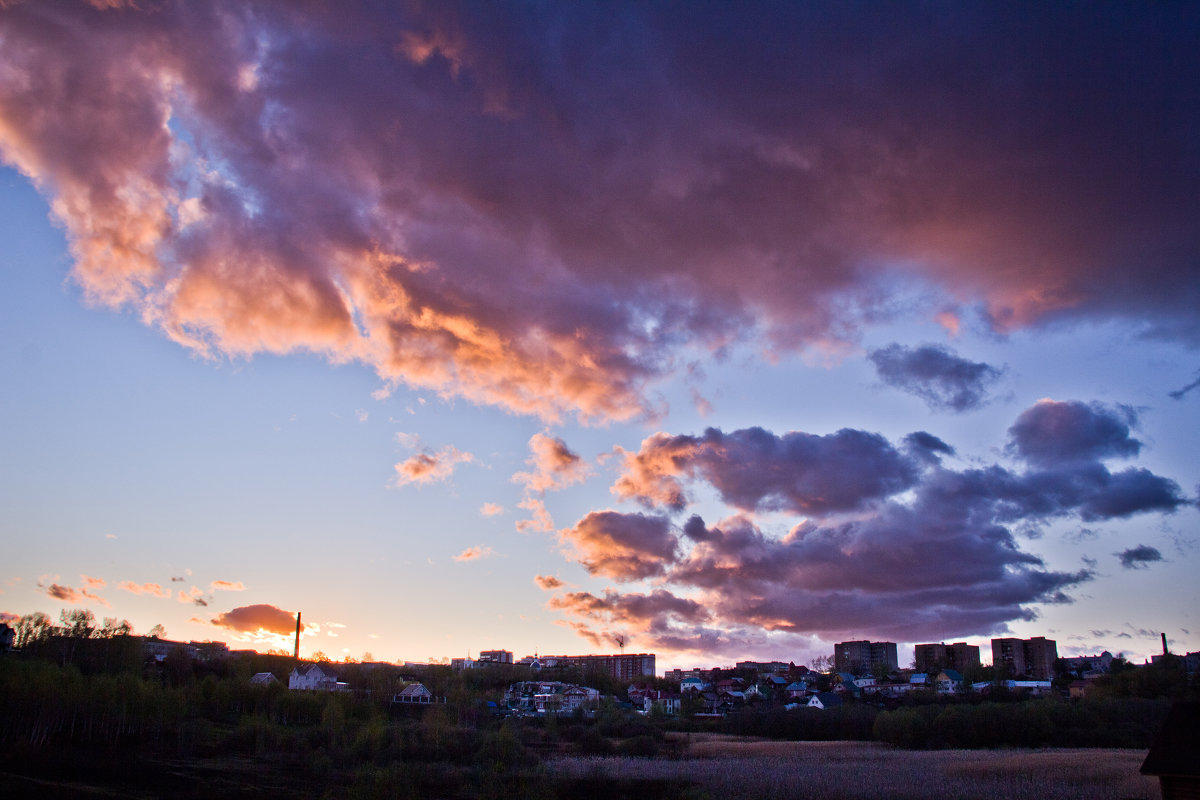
(864, 656)
(933, 658)
(1033, 657)
(496, 656)
(622, 667)
(1088, 665)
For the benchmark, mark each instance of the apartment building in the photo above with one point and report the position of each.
(864, 656)
(959, 657)
(622, 667)
(1033, 657)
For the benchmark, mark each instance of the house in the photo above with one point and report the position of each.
(414, 694)
(824, 700)
(315, 678)
(637, 692)
(692, 684)
(949, 681)
(796, 689)
(263, 679)
(666, 702)
(563, 697)
(1175, 755)
(845, 682)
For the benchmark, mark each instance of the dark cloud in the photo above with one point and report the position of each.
(258, 617)
(755, 469)
(1139, 557)
(927, 447)
(652, 611)
(69, 594)
(1052, 432)
(537, 210)
(937, 375)
(1178, 394)
(64, 593)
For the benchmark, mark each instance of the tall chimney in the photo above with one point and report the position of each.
(297, 656)
(1165, 651)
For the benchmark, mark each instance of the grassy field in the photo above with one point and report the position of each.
(731, 768)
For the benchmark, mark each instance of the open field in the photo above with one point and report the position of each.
(732, 768)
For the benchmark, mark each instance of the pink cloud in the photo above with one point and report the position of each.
(226, 586)
(554, 464)
(540, 519)
(491, 509)
(475, 553)
(426, 468)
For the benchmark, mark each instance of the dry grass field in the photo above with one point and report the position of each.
(732, 768)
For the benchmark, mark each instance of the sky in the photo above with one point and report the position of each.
(719, 331)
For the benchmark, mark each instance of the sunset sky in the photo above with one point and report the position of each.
(735, 330)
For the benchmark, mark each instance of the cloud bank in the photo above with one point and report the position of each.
(891, 543)
(548, 212)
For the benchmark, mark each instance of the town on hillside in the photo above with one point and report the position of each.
(857, 672)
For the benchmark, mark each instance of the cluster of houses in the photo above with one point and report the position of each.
(549, 697)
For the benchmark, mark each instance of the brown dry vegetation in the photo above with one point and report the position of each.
(732, 768)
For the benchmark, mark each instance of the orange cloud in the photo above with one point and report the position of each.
(226, 586)
(152, 589)
(491, 509)
(93, 583)
(256, 618)
(547, 582)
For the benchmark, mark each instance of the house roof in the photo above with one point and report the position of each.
(309, 669)
(827, 699)
(414, 689)
(1177, 745)
(952, 674)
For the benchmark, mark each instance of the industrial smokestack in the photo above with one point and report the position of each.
(297, 656)
(1165, 651)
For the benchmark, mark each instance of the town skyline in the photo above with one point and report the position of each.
(739, 331)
